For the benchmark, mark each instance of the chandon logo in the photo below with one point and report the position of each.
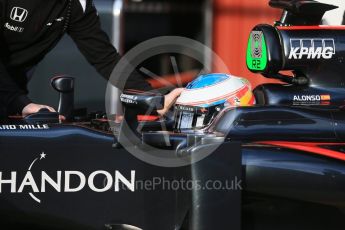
(62, 181)
(312, 48)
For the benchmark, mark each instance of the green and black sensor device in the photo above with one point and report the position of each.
(298, 43)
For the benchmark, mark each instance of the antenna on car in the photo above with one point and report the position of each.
(300, 12)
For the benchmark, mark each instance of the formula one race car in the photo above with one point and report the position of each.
(288, 149)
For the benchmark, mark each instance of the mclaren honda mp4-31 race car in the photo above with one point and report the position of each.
(288, 150)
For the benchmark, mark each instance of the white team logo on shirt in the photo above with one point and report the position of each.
(83, 4)
(19, 14)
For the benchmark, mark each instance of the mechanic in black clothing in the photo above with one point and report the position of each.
(30, 29)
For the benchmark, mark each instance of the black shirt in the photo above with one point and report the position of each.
(31, 28)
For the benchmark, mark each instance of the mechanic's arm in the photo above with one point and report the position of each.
(13, 98)
(94, 44)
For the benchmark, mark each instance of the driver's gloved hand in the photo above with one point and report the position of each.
(170, 100)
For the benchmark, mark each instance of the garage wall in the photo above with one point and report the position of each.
(233, 21)
(334, 17)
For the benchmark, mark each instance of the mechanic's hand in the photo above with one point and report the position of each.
(170, 100)
(35, 108)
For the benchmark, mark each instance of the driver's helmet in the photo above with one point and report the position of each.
(207, 95)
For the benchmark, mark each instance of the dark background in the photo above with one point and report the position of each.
(141, 21)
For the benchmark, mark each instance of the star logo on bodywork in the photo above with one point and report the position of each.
(43, 155)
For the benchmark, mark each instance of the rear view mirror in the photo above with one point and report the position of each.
(142, 100)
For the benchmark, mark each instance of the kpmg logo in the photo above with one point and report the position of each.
(19, 14)
(312, 48)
